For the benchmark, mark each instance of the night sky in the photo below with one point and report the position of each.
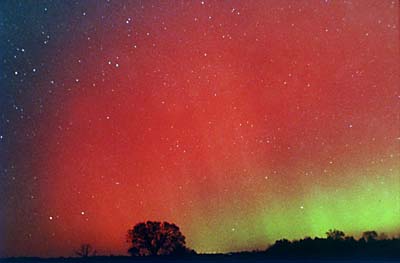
(242, 122)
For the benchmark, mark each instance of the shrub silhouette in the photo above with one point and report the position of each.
(156, 239)
(85, 251)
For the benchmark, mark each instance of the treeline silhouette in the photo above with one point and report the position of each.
(338, 245)
(154, 240)
(165, 239)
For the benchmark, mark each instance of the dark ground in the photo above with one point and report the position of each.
(195, 259)
(192, 260)
(283, 251)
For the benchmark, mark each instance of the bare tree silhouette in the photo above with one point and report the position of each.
(85, 251)
(156, 238)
